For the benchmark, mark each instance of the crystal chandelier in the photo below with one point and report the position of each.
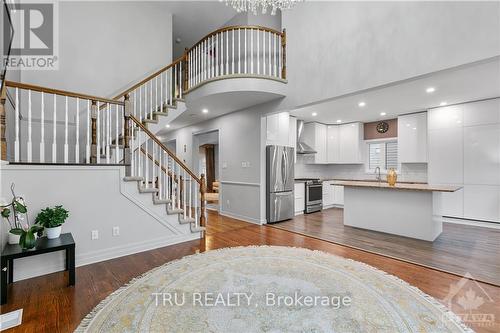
(254, 5)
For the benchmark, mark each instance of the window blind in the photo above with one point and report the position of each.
(391, 155)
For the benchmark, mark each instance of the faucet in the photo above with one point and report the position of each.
(377, 174)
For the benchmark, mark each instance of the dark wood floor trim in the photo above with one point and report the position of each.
(382, 255)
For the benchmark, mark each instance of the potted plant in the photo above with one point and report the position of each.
(16, 214)
(52, 219)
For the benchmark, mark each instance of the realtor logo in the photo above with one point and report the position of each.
(470, 302)
(34, 44)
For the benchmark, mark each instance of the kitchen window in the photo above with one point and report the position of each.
(382, 154)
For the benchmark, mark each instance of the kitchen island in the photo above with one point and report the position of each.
(406, 209)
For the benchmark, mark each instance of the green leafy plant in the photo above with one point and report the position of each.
(15, 212)
(27, 239)
(52, 217)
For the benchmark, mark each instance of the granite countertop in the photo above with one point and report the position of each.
(398, 186)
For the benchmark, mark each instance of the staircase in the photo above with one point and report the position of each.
(122, 130)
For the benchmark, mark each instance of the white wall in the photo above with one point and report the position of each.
(334, 48)
(106, 46)
(240, 141)
(96, 201)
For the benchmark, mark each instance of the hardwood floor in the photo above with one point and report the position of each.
(50, 306)
(460, 249)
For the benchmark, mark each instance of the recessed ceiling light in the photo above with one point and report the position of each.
(383, 113)
(314, 114)
(167, 126)
(430, 90)
(204, 111)
(443, 103)
(361, 104)
(339, 120)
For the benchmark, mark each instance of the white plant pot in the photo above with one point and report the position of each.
(53, 233)
(14, 239)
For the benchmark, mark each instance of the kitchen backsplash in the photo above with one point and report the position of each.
(408, 172)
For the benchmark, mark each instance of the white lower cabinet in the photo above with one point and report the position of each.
(482, 202)
(327, 194)
(333, 195)
(452, 203)
(338, 195)
(300, 197)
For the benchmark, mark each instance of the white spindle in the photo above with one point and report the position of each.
(107, 139)
(117, 141)
(184, 193)
(77, 131)
(16, 139)
(150, 109)
(54, 131)
(170, 91)
(98, 137)
(258, 51)
(190, 198)
(246, 54)
(279, 56)
(160, 173)
(42, 129)
(196, 203)
(174, 70)
(153, 164)
(269, 58)
(146, 164)
(66, 146)
(156, 94)
(216, 55)
(232, 53)
(169, 172)
(227, 52)
(87, 145)
(29, 145)
(178, 186)
(181, 79)
(275, 56)
(139, 153)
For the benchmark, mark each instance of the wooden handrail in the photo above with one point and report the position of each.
(236, 27)
(33, 87)
(162, 146)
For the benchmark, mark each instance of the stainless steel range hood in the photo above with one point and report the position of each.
(302, 147)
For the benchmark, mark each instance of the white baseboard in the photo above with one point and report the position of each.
(105, 254)
(455, 220)
(241, 217)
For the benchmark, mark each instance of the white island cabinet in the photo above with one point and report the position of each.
(404, 209)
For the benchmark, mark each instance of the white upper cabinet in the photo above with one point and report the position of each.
(412, 138)
(446, 156)
(482, 113)
(446, 117)
(278, 129)
(292, 136)
(351, 137)
(333, 144)
(315, 136)
(482, 154)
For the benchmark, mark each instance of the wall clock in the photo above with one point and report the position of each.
(382, 127)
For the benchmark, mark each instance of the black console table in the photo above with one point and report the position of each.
(43, 245)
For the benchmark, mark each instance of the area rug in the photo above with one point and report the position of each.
(269, 289)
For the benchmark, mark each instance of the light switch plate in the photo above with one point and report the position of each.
(95, 234)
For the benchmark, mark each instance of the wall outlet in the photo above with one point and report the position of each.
(224, 165)
(95, 234)
(228, 203)
(116, 231)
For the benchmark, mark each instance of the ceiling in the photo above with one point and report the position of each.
(465, 83)
(194, 19)
(218, 105)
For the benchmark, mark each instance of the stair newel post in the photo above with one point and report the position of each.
(186, 70)
(283, 47)
(203, 190)
(127, 153)
(3, 141)
(93, 128)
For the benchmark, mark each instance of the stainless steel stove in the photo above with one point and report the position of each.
(314, 194)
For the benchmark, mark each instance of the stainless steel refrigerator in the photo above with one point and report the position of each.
(279, 183)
